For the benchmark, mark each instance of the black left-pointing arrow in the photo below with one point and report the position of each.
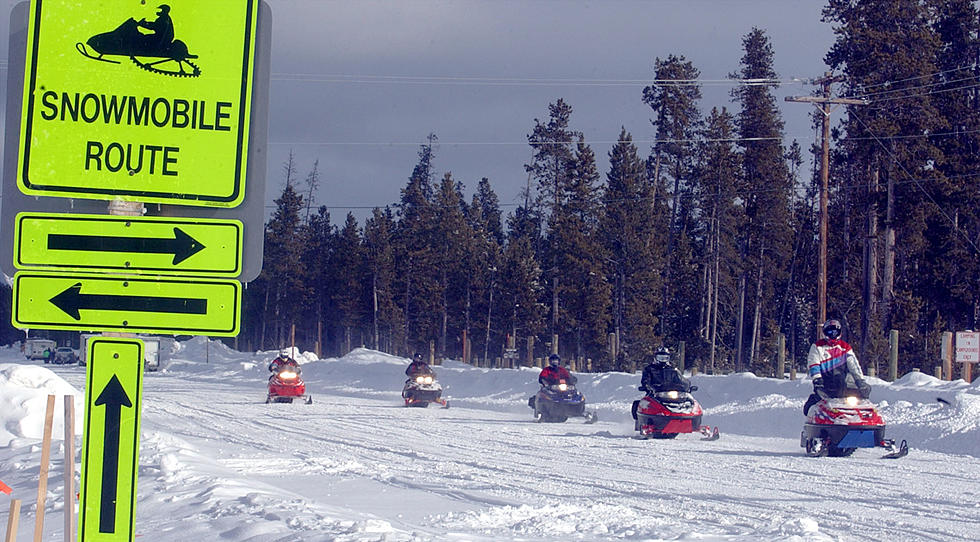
(72, 300)
(114, 397)
(181, 245)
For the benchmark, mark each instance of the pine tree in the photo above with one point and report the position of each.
(387, 321)
(551, 168)
(952, 257)
(453, 240)
(578, 257)
(282, 265)
(521, 313)
(719, 168)
(482, 266)
(633, 233)
(350, 297)
(415, 255)
(888, 49)
(766, 190)
(674, 99)
(318, 260)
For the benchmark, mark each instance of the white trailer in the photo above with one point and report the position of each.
(34, 348)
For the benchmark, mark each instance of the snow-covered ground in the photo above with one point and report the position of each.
(217, 463)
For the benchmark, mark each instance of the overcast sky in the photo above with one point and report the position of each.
(359, 84)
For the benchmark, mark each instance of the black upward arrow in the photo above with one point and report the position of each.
(182, 246)
(73, 300)
(114, 397)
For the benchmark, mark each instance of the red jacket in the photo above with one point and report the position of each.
(552, 375)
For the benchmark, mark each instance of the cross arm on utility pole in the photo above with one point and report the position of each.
(823, 100)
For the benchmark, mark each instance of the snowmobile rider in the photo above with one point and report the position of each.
(555, 373)
(660, 375)
(162, 28)
(833, 367)
(418, 367)
(282, 360)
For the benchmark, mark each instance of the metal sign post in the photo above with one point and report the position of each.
(110, 454)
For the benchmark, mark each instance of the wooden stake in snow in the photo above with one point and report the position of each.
(12, 521)
(69, 468)
(42, 483)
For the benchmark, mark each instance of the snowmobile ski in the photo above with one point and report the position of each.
(897, 452)
(710, 433)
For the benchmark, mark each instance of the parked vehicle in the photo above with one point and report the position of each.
(64, 355)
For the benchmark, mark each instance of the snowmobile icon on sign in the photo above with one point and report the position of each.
(155, 51)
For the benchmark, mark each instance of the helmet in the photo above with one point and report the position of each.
(831, 329)
(284, 353)
(554, 359)
(417, 356)
(662, 355)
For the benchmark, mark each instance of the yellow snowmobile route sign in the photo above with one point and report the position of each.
(138, 101)
(110, 453)
(141, 245)
(164, 305)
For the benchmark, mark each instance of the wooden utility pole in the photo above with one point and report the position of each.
(823, 103)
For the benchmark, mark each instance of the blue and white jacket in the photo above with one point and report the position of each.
(834, 362)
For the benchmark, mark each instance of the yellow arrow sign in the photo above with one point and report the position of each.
(129, 244)
(76, 301)
(107, 496)
(137, 101)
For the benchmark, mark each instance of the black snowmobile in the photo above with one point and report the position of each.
(558, 402)
(158, 52)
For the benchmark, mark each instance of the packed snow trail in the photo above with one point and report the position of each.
(217, 463)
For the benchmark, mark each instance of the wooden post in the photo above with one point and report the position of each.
(292, 337)
(694, 371)
(42, 483)
(530, 351)
(681, 354)
(780, 355)
(872, 372)
(966, 372)
(946, 353)
(893, 355)
(432, 352)
(938, 372)
(69, 468)
(12, 520)
(554, 343)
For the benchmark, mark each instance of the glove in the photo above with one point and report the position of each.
(863, 388)
(818, 388)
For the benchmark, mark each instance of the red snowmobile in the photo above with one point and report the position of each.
(836, 427)
(285, 384)
(666, 414)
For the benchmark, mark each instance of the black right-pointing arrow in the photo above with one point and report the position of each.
(73, 300)
(114, 397)
(182, 246)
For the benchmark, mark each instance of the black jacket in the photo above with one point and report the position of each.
(663, 377)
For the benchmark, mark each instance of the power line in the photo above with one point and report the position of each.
(518, 81)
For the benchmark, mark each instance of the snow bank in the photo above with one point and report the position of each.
(24, 391)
